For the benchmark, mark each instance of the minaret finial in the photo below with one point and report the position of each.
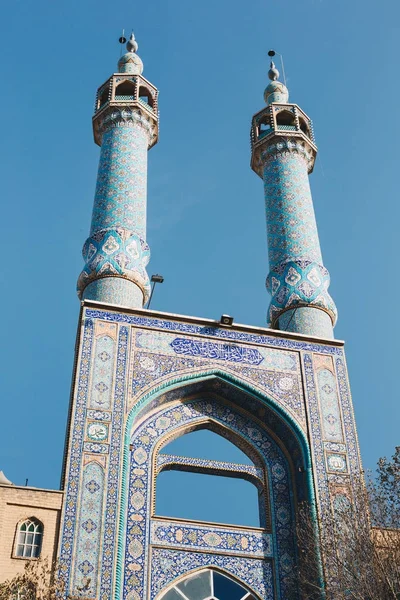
(273, 73)
(132, 45)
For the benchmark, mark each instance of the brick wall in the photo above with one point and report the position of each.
(17, 504)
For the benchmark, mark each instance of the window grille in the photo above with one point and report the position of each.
(29, 539)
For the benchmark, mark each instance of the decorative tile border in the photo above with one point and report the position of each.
(75, 454)
(348, 418)
(201, 465)
(96, 448)
(99, 415)
(179, 327)
(90, 528)
(111, 510)
(317, 451)
(217, 539)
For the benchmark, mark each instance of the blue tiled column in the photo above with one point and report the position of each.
(125, 126)
(116, 252)
(297, 276)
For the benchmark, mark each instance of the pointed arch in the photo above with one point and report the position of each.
(145, 96)
(126, 90)
(277, 421)
(212, 425)
(286, 120)
(260, 483)
(194, 383)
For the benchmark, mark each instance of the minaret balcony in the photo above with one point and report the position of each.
(285, 121)
(126, 97)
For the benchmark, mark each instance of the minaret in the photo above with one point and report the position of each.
(125, 125)
(283, 154)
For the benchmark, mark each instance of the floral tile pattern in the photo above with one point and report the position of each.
(197, 537)
(170, 564)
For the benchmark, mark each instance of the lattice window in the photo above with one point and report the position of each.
(29, 538)
(208, 585)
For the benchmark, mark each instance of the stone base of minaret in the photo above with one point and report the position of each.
(114, 290)
(306, 320)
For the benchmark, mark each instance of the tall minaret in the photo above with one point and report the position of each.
(125, 125)
(283, 154)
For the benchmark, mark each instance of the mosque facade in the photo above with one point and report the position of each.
(144, 378)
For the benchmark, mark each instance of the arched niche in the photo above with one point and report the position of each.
(146, 96)
(125, 90)
(259, 421)
(304, 127)
(286, 120)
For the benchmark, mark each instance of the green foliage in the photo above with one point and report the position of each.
(39, 581)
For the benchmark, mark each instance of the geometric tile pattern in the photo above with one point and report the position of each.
(102, 376)
(330, 411)
(299, 282)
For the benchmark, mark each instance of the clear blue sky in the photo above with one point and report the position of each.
(206, 224)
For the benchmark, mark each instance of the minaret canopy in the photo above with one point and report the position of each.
(131, 62)
(276, 91)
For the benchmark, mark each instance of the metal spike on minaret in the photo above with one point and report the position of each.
(125, 125)
(283, 154)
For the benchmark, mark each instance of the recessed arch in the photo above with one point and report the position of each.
(274, 416)
(286, 120)
(125, 90)
(304, 127)
(145, 96)
(193, 383)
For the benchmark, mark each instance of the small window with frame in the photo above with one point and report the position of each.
(29, 537)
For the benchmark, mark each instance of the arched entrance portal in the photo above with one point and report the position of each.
(160, 550)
